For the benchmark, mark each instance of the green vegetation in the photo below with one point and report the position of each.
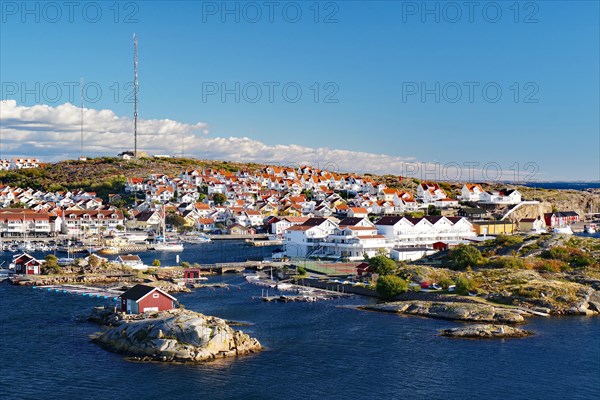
(464, 285)
(156, 263)
(301, 271)
(175, 220)
(390, 286)
(445, 283)
(507, 240)
(431, 210)
(576, 258)
(51, 266)
(382, 265)
(464, 256)
(219, 198)
(185, 264)
(511, 262)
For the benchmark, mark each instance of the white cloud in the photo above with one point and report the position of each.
(53, 133)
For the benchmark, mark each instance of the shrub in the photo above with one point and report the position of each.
(556, 253)
(464, 285)
(301, 271)
(464, 256)
(156, 263)
(185, 264)
(507, 262)
(575, 257)
(551, 265)
(51, 266)
(507, 240)
(390, 286)
(382, 265)
(445, 283)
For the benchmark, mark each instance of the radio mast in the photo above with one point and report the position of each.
(81, 157)
(135, 95)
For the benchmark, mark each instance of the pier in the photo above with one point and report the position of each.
(86, 291)
(238, 267)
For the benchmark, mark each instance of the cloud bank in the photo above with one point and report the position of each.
(53, 133)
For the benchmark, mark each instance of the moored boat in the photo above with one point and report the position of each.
(563, 230)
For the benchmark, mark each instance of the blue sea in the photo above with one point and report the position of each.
(563, 185)
(322, 350)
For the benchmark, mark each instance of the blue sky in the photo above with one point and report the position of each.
(372, 58)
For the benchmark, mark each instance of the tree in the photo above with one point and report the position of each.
(390, 286)
(431, 210)
(185, 264)
(382, 265)
(301, 271)
(175, 220)
(156, 263)
(219, 198)
(120, 228)
(51, 266)
(464, 256)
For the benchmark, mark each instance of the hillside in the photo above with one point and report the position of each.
(106, 175)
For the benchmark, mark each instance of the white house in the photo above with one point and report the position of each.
(306, 239)
(278, 227)
(430, 192)
(471, 192)
(506, 196)
(411, 232)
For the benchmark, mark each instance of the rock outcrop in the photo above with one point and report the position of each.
(176, 335)
(458, 311)
(485, 331)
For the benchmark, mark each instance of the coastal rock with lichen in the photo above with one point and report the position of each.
(458, 311)
(177, 335)
(485, 331)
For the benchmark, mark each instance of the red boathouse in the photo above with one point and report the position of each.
(27, 265)
(143, 298)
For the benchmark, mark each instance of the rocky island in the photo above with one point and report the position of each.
(459, 311)
(485, 331)
(175, 335)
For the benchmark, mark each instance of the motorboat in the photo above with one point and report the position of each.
(168, 246)
(563, 230)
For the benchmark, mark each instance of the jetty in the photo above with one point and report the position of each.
(263, 243)
(81, 290)
(221, 268)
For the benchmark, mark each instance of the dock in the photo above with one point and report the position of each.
(81, 290)
(222, 268)
(263, 243)
(260, 236)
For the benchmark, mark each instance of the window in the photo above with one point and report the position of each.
(155, 296)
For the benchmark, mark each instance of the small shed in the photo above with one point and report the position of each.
(363, 269)
(191, 274)
(143, 298)
(131, 260)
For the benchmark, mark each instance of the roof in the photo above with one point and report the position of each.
(130, 257)
(392, 220)
(350, 221)
(314, 221)
(138, 292)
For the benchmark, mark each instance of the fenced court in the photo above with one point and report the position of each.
(328, 268)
